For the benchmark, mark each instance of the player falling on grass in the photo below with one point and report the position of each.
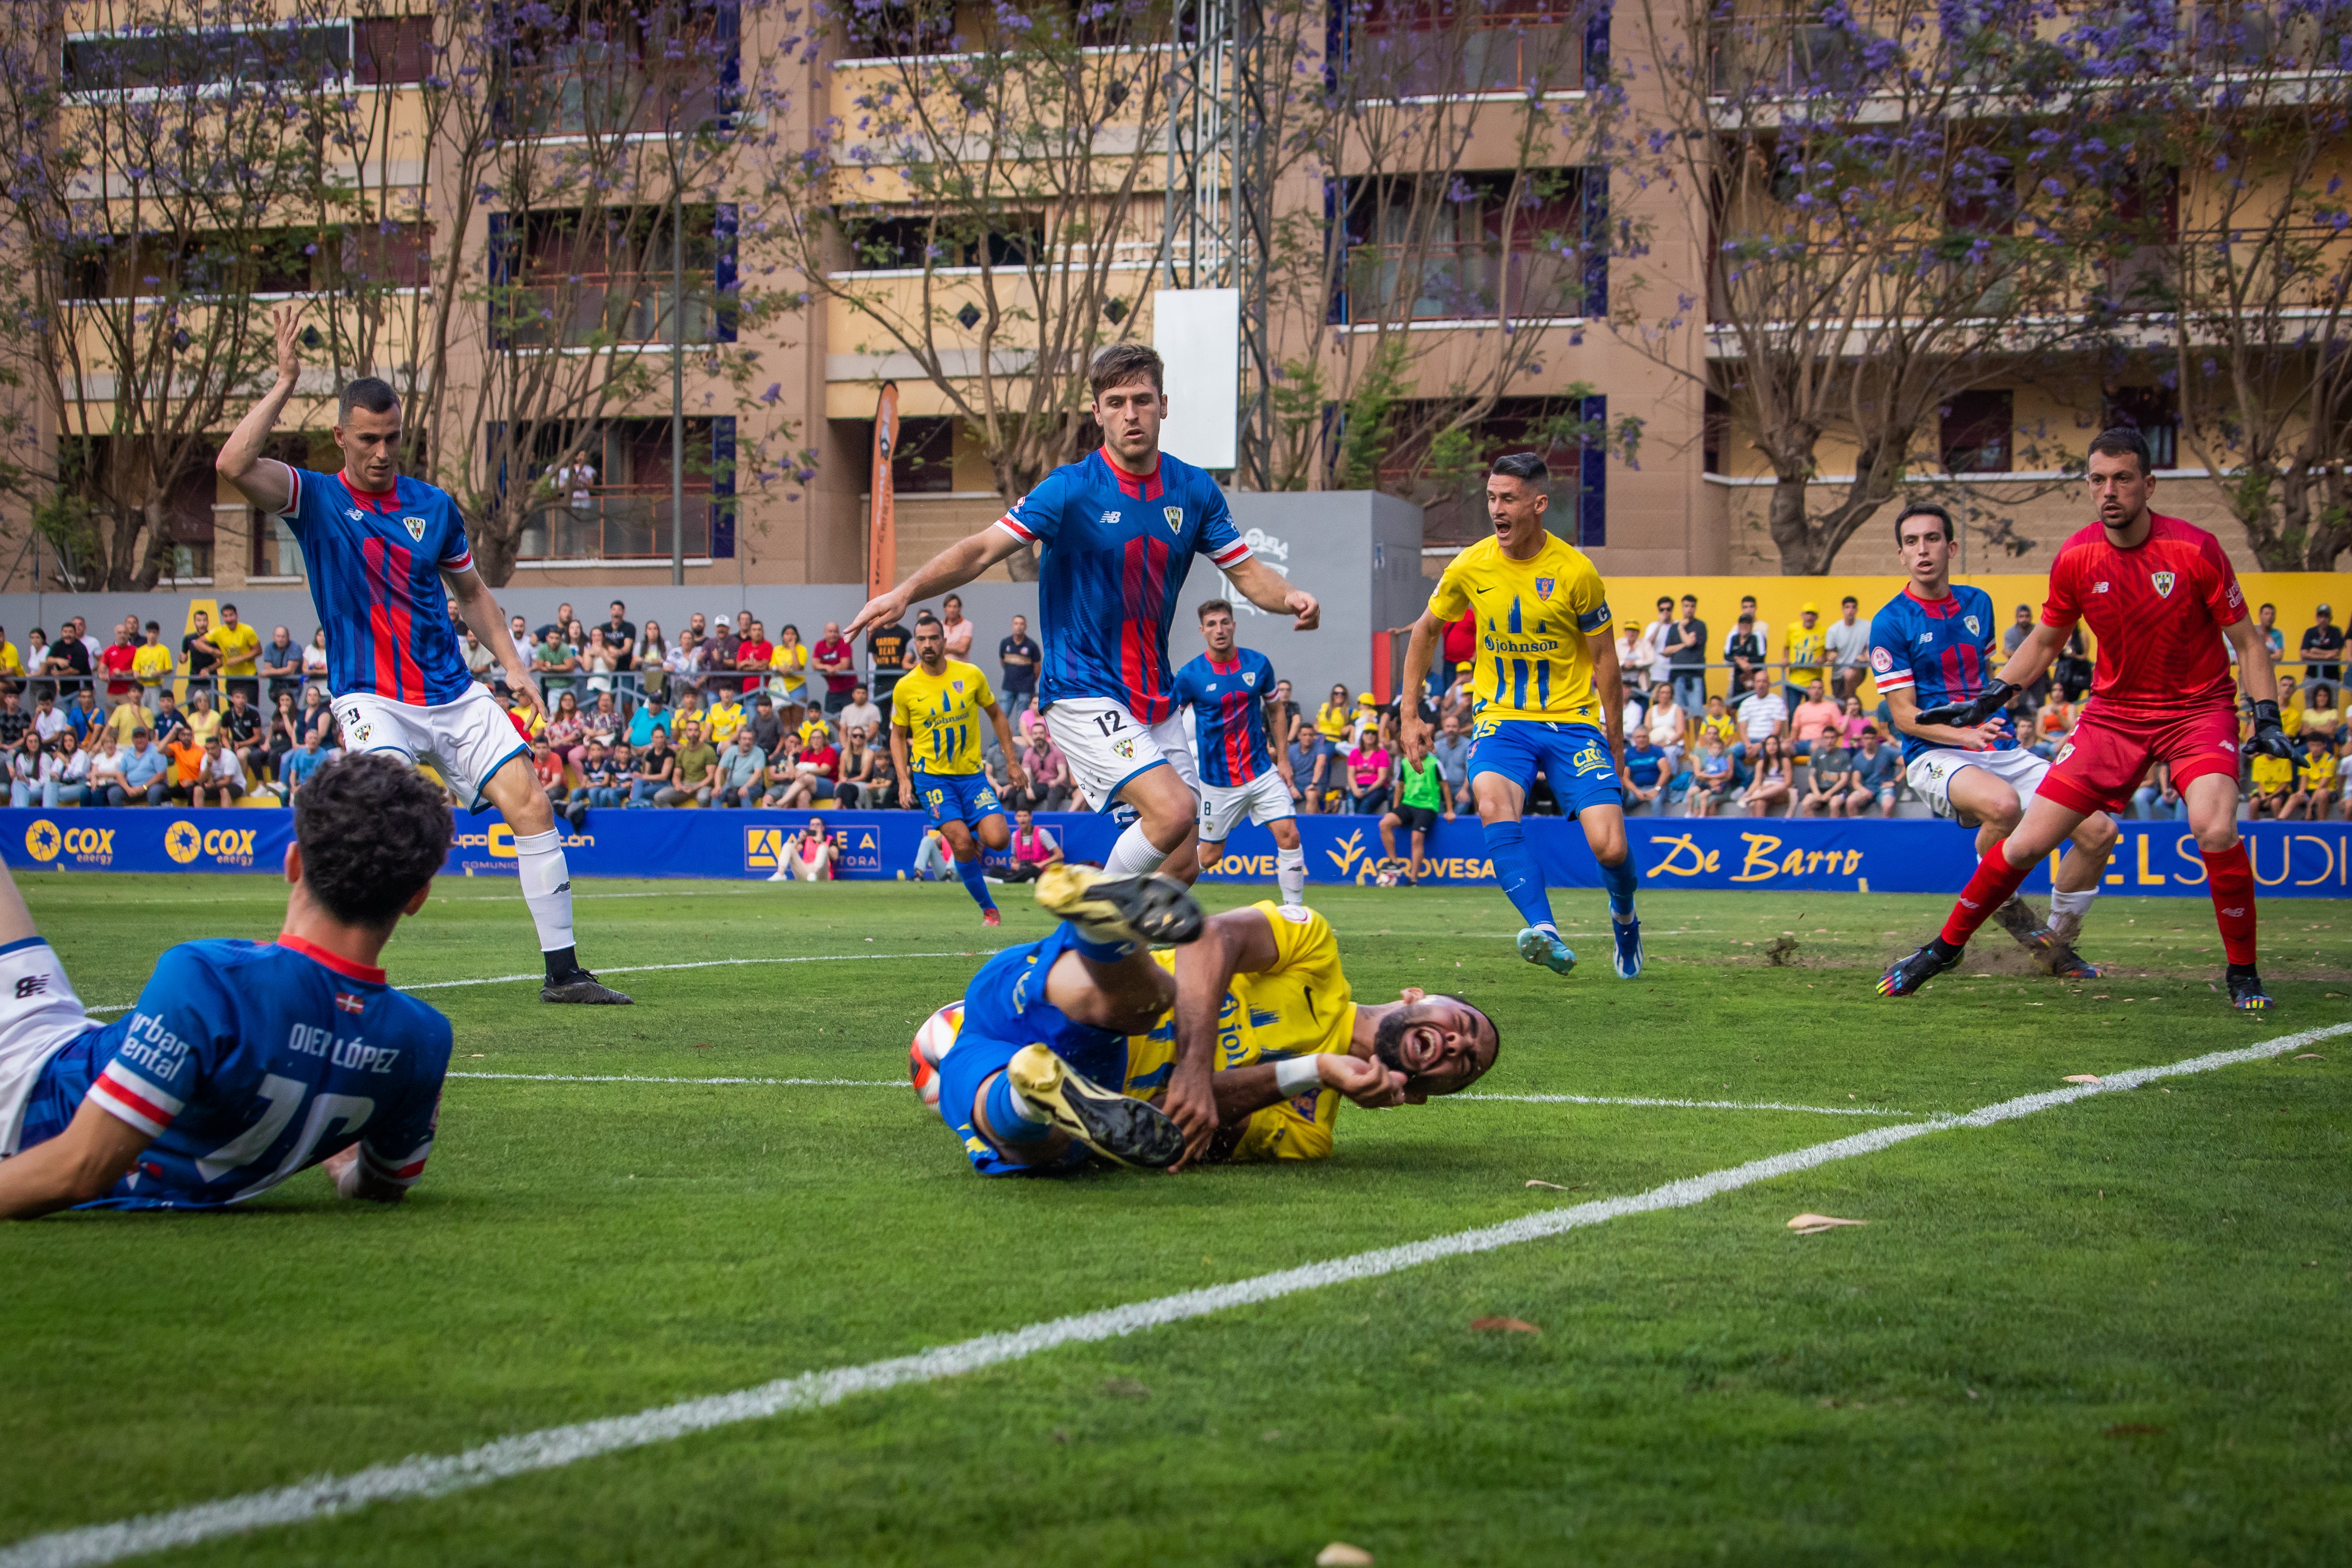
(2160, 596)
(1226, 690)
(1060, 1049)
(935, 713)
(243, 1062)
(1116, 534)
(380, 550)
(1932, 647)
(1549, 698)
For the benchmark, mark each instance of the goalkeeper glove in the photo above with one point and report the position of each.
(1970, 714)
(2269, 739)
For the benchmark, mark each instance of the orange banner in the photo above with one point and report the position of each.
(882, 533)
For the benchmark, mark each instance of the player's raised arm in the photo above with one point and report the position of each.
(1272, 592)
(952, 568)
(266, 482)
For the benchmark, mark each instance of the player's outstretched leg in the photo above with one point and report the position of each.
(1995, 879)
(1119, 912)
(546, 883)
(1039, 1093)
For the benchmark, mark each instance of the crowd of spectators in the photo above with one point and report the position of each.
(726, 712)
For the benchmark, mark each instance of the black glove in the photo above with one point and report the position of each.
(2269, 739)
(1968, 715)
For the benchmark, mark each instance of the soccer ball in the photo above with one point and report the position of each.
(1386, 878)
(931, 1042)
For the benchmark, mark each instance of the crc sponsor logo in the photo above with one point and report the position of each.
(183, 841)
(45, 841)
(496, 842)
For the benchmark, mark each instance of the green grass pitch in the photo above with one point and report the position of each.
(2115, 1331)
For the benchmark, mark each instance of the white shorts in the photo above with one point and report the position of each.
(1263, 799)
(466, 740)
(1930, 776)
(39, 1015)
(1106, 745)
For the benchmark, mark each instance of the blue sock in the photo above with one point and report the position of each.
(1514, 867)
(1100, 952)
(1008, 1122)
(1621, 880)
(968, 872)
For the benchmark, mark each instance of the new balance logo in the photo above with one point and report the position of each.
(2235, 914)
(32, 986)
(562, 887)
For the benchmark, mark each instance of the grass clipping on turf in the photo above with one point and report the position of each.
(1814, 1223)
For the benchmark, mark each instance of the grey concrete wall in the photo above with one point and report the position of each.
(1359, 553)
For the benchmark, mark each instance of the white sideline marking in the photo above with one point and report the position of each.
(900, 1083)
(640, 969)
(616, 1077)
(554, 1447)
(1678, 1104)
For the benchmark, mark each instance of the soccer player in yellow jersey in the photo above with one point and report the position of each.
(1548, 697)
(1257, 1002)
(935, 713)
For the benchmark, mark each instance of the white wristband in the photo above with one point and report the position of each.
(1296, 1076)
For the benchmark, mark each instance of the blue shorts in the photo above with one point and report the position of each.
(1574, 757)
(1004, 1011)
(957, 798)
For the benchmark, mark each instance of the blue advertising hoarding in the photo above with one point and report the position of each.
(2291, 859)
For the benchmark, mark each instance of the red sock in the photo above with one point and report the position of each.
(1990, 889)
(2231, 878)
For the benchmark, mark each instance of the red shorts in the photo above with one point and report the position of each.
(2107, 756)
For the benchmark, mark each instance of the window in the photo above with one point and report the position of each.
(2155, 412)
(1982, 198)
(392, 50)
(1448, 473)
(1714, 423)
(915, 240)
(627, 515)
(1976, 432)
(1417, 48)
(611, 68)
(1468, 251)
(574, 278)
(260, 261)
(152, 58)
(923, 462)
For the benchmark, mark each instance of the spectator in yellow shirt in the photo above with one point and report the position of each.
(129, 717)
(12, 664)
(2274, 782)
(723, 718)
(2317, 778)
(1717, 723)
(1805, 648)
(203, 723)
(153, 664)
(237, 643)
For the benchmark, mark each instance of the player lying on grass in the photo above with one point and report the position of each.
(935, 714)
(243, 1062)
(2161, 598)
(1246, 1034)
(1932, 647)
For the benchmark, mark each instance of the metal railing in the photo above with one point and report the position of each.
(621, 522)
(1460, 281)
(589, 308)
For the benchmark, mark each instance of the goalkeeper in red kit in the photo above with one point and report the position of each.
(2160, 596)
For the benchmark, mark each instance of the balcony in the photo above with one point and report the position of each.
(624, 522)
(601, 309)
(603, 93)
(1495, 54)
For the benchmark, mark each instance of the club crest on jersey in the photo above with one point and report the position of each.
(415, 526)
(1175, 516)
(1971, 621)
(2163, 580)
(1881, 660)
(1544, 586)
(1249, 678)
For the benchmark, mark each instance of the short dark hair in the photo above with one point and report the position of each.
(1122, 363)
(1527, 465)
(2122, 441)
(369, 392)
(1922, 509)
(1850, 599)
(230, 609)
(372, 832)
(1212, 606)
(154, 626)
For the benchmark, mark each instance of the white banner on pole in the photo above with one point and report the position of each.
(1198, 333)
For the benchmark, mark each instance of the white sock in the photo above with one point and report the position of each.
(2067, 910)
(546, 887)
(1290, 870)
(1132, 855)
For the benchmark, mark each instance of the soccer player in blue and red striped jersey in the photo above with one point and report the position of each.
(1227, 690)
(243, 1062)
(385, 556)
(1931, 647)
(1115, 534)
